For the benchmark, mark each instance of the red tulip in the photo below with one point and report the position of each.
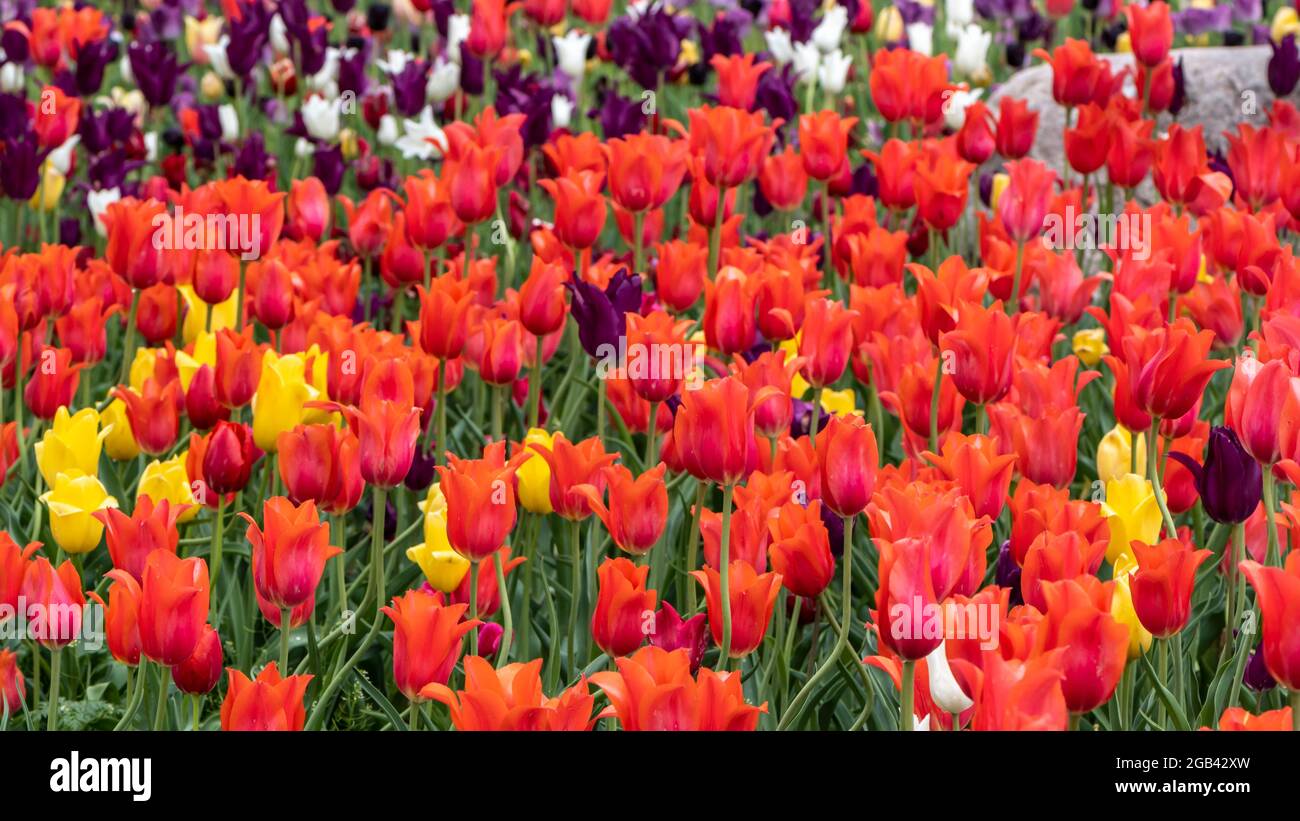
(427, 640)
(173, 606)
(290, 550)
(619, 620)
(268, 702)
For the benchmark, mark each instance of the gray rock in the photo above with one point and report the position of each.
(1224, 87)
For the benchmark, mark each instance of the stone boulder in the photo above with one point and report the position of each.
(1224, 87)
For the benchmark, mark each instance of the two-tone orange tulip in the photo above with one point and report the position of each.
(1170, 367)
(752, 595)
(173, 606)
(269, 702)
(132, 538)
(427, 640)
(638, 507)
(576, 469)
(290, 550)
(618, 623)
(826, 341)
(1277, 590)
(800, 549)
(847, 458)
(654, 690)
(122, 617)
(511, 698)
(714, 431)
(480, 497)
(1162, 585)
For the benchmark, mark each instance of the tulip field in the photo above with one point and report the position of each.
(447, 365)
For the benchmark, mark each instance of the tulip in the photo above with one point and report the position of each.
(823, 143)
(320, 463)
(119, 443)
(168, 480)
(783, 180)
(800, 549)
(672, 632)
(752, 596)
(1095, 645)
(1021, 695)
(443, 568)
(387, 424)
(173, 607)
(54, 382)
(54, 601)
(825, 341)
(121, 617)
(480, 501)
(618, 622)
(1237, 719)
(1162, 586)
(729, 311)
(714, 430)
(199, 673)
(427, 640)
(1023, 206)
(13, 687)
(982, 347)
(941, 185)
(1255, 405)
(1017, 126)
(228, 458)
(290, 550)
(73, 501)
(639, 693)
(658, 355)
(511, 698)
(132, 538)
(239, 367)
(1132, 514)
(638, 507)
(1151, 32)
(284, 389)
(268, 702)
(73, 442)
(533, 478)
(1171, 367)
(600, 313)
(1229, 482)
(848, 459)
(1277, 591)
(975, 465)
(1121, 608)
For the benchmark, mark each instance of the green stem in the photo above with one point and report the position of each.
(160, 714)
(52, 706)
(1270, 504)
(377, 580)
(507, 623)
(1153, 473)
(906, 718)
(575, 590)
(473, 605)
(214, 557)
(934, 404)
(128, 347)
(724, 559)
(285, 628)
(1013, 303)
(535, 387)
(693, 544)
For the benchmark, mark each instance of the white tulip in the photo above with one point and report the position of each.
(97, 203)
(944, 689)
(278, 34)
(955, 105)
(830, 30)
(124, 66)
(387, 133)
(394, 61)
(778, 42)
(457, 33)
(151, 146)
(920, 38)
(833, 74)
(321, 117)
(61, 157)
(11, 78)
(444, 79)
(807, 59)
(571, 53)
(972, 51)
(217, 59)
(960, 13)
(922, 726)
(229, 119)
(561, 111)
(422, 139)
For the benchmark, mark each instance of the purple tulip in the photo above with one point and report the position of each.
(648, 45)
(19, 173)
(1284, 66)
(409, 88)
(1008, 573)
(1230, 482)
(155, 68)
(328, 167)
(91, 62)
(618, 115)
(602, 315)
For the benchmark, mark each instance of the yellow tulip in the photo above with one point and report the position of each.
(349, 144)
(798, 386)
(1133, 513)
(72, 443)
(1285, 21)
(889, 25)
(171, 481)
(49, 191)
(282, 391)
(119, 441)
(1121, 608)
(534, 475)
(72, 504)
(1000, 183)
(1090, 345)
(211, 87)
(196, 317)
(839, 403)
(443, 567)
(1124, 44)
(1115, 453)
(142, 367)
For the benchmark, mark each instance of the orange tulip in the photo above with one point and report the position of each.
(752, 596)
(1021, 695)
(731, 142)
(618, 622)
(645, 170)
(1277, 591)
(1170, 367)
(770, 369)
(654, 690)
(121, 617)
(738, 79)
(290, 550)
(511, 698)
(824, 142)
(783, 180)
(801, 550)
(1237, 719)
(1095, 645)
(1162, 586)
(427, 640)
(268, 702)
(480, 501)
(659, 356)
(714, 431)
(444, 317)
(387, 424)
(130, 225)
(848, 459)
(13, 688)
(638, 507)
(574, 466)
(982, 345)
(983, 474)
(825, 342)
(132, 538)
(173, 606)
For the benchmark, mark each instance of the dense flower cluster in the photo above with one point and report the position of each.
(569, 365)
